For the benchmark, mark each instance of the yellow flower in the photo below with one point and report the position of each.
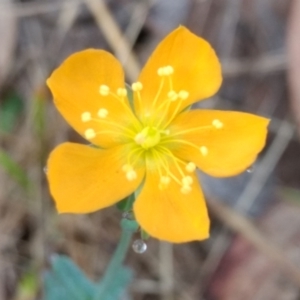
(154, 146)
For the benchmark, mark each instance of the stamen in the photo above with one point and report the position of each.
(86, 116)
(203, 150)
(183, 95)
(169, 70)
(102, 113)
(121, 92)
(165, 180)
(131, 175)
(89, 133)
(185, 189)
(137, 86)
(165, 71)
(161, 71)
(172, 95)
(190, 167)
(104, 90)
(187, 180)
(217, 124)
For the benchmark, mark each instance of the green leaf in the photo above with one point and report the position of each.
(10, 110)
(14, 170)
(67, 281)
(118, 286)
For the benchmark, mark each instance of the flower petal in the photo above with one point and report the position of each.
(196, 70)
(169, 214)
(227, 150)
(83, 179)
(75, 87)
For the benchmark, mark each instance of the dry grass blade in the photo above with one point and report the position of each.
(242, 225)
(114, 37)
(293, 47)
(8, 38)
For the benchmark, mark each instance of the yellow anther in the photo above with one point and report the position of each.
(86, 116)
(203, 150)
(137, 86)
(217, 124)
(161, 71)
(165, 180)
(190, 167)
(183, 95)
(89, 133)
(165, 71)
(121, 92)
(185, 189)
(187, 180)
(102, 113)
(172, 95)
(169, 70)
(131, 175)
(104, 90)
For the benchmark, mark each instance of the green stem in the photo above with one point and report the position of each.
(128, 228)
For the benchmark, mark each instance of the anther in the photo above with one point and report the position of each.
(137, 86)
(183, 95)
(190, 167)
(165, 180)
(102, 113)
(187, 180)
(161, 71)
(121, 92)
(131, 175)
(89, 133)
(172, 95)
(169, 70)
(104, 90)
(185, 189)
(217, 124)
(203, 150)
(86, 116)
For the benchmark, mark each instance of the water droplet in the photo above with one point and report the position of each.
(128, 215)
(45, 169)
(250, 169)
(139, 246)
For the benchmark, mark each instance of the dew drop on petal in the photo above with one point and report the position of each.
(250, 169)
(139, 246)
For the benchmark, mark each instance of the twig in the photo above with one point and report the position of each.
(114, 37)
(242, 225)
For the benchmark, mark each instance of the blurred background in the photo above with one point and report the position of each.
(254, 249)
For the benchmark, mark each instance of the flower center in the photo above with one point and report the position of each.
(148, 137)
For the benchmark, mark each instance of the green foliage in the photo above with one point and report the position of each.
(39, 115)
(28, 285)
(14, 170)
(10, 110)
(66, 281)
